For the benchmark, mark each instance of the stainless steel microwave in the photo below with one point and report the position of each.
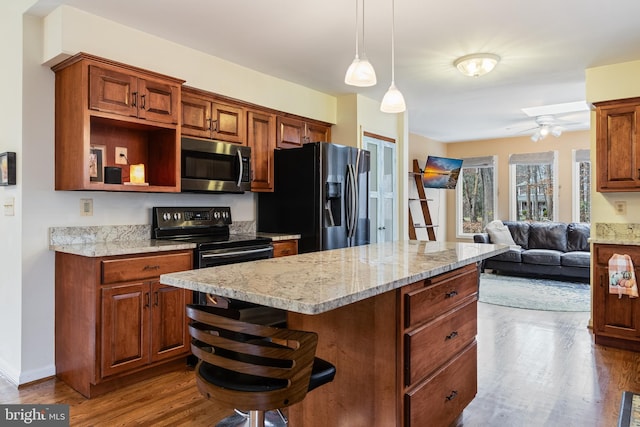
(214, 166)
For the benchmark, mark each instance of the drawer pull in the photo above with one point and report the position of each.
(452, 335)
(451, 294)
(151, 267)
(452, 396)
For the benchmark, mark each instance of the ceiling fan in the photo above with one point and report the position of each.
(548, 124)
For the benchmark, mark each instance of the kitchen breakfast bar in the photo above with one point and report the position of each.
(397, 319)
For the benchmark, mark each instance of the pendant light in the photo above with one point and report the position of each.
(393, 101)
(360, 73)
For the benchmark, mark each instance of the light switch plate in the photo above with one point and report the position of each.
(86, 207)
(9, 206)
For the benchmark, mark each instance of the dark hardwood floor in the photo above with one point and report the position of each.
(535, 368)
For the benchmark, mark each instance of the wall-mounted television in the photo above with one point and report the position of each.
(441, 172)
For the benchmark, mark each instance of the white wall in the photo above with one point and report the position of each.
(11, 226)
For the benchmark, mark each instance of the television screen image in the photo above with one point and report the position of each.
(441, 172)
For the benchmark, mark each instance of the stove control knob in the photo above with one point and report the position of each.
(176, 216)
(166, 216)
(216, 214)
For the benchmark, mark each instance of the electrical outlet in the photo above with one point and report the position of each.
(121, 156)
(620, 207)
(86, 207)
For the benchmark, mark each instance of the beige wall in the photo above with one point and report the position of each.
(617, 81)
(502, 148)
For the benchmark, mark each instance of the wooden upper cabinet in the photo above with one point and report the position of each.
(618, 154)
(293, 132)
(119, 92)
(205, 116)
(261, 138)
(101, 105)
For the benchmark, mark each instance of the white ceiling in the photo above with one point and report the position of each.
(545, 46)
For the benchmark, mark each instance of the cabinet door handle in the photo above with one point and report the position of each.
(146, 300)
(134, 99)
(144, 101)
(451, 294)
(155, 298)
(452, 396)
(215, 128)
(451, 336)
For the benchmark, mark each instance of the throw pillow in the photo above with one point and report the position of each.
(499, 233)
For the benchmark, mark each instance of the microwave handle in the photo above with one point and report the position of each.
(240, 170)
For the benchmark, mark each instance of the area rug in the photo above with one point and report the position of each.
(534, 294)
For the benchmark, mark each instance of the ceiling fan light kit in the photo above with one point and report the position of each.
(476, 64)
(360, 73)
(393, 101)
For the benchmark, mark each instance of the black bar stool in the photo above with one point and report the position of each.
(253, 367)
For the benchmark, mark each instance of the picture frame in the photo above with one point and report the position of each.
(96, 163)
(8, 168)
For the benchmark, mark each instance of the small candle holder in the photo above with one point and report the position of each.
(136, 175)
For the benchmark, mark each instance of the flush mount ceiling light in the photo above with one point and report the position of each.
(393, 101)
(477, 64)
(360, 73)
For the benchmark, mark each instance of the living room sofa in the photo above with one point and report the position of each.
(542, 249)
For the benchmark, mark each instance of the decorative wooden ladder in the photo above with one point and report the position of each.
(415, 179)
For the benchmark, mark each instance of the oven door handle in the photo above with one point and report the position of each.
(241, 168)
(227, 254)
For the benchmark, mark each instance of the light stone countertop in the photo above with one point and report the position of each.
(121, 247)
(316, 282)
(616, 234)
(109, 240)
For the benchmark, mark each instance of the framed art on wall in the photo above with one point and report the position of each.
(96, 159)
(8, 168)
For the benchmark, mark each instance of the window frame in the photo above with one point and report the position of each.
(513, 197)
(460, 234)
(579, 156)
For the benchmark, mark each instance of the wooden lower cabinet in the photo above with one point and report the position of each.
(406, 357)
(616, 321)
(284, 248)
(115, 322)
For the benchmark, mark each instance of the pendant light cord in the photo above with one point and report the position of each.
(357, 40)
(393, 42)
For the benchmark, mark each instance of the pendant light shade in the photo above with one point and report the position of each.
(393, 101)
(360, 73)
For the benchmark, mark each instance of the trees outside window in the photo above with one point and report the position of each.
(533, 186)
(476, 195)
(581, 186)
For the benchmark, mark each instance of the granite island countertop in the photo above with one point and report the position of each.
(316, 282)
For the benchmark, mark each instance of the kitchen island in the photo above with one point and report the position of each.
(397, 319)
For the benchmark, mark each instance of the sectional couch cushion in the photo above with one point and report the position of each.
(576, 259)
(548, 235)
(541, 257)
(520, 232)
(578, 237)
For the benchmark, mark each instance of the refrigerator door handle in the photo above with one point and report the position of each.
(352, 196)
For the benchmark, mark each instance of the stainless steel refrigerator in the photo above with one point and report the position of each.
(322, 193)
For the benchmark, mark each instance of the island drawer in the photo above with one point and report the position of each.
(144, 267)
(439, 294)
(442, 397)
(431, 345)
